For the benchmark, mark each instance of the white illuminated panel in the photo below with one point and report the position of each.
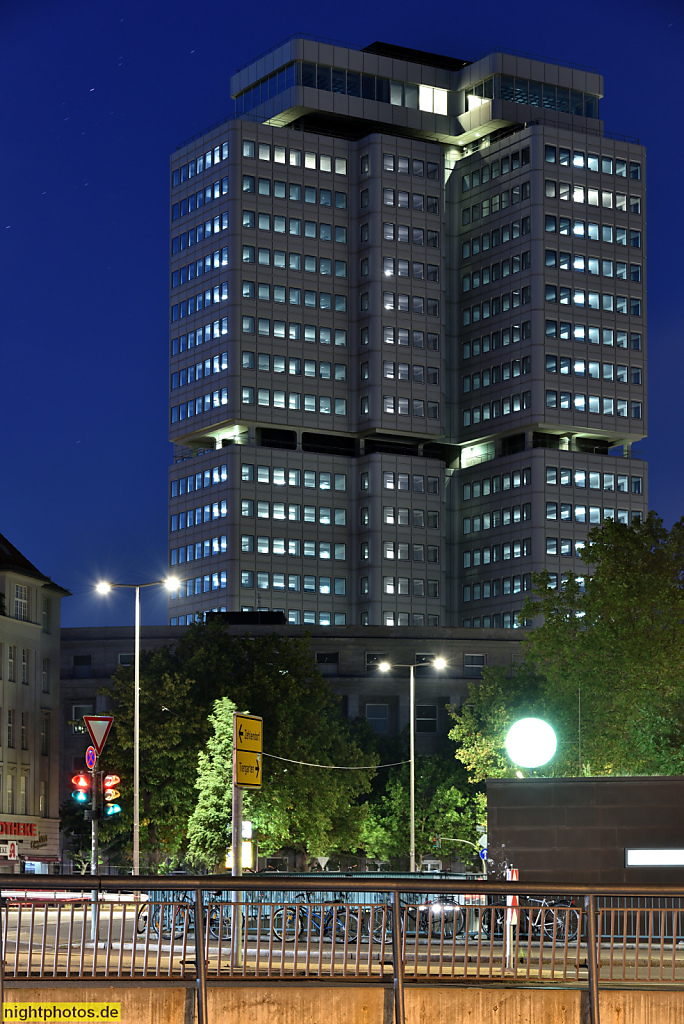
(654, 858)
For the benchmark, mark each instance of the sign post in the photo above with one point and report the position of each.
(98, 726)
(512, 875)
(247, 757)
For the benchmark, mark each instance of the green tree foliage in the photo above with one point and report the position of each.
(313, 810)
(605, 668)
(210, 822)
(445, 805)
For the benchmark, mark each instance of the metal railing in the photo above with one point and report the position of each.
(380, 930)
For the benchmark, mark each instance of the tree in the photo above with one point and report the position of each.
(210, 822)
(313, 810)
(605, 667)
(444, 805)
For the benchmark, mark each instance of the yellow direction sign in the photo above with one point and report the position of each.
(247, 747)
(248, 732)
(247, 769)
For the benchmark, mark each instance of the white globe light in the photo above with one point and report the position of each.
(530, 742)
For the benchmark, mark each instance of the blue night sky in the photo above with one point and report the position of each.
(97, 96)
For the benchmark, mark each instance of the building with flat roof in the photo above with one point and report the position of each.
(408, 337)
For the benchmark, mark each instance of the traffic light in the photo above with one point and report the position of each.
(81, 794)
(436, 842)
(110, 793)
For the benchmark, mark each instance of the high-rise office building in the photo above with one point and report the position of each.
(407, 337)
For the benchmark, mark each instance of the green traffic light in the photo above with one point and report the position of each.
(112, 809)
(79, 796)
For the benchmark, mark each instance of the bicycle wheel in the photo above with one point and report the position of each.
(561, 919)
(288, 922)
(380, 923)
(347, 924)
(492, 917)
(142, 918)
(220, 920)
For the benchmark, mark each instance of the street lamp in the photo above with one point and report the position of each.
(385, 666)
(104, 588)
(530, 743)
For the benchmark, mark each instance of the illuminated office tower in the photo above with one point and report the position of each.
(407, 337)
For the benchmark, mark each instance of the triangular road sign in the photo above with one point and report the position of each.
(98, 726)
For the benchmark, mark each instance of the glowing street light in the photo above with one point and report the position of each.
(104, 588)
(385, 666)
(530, 743)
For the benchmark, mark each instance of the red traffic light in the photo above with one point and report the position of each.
(81, 781)
(111, 780)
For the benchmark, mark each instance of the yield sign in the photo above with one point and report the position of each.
(98, 726)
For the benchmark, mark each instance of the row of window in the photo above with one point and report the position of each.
(404, 268)
(402, 619)
(403, 586)
(494, 271)
(494, 374)
(197, 200)
(607, 233)
(281, 294)
(293, 582)
(312, 229)
(200, 585)
(202, 300)
(495, 204)
(583, 478)
(594, 335)
(293, 192)
(498, 517)
(197, 406)
(587, 514)
(492, 410)
(593, 300)
(309, 264)
(309, 548)
(401, 406)
(592, 162)
(580, 264)
(282, 511)
(402, 371)
(199, 336)
(403, 551)
(197, 371)
(417, 201)
(403, 482)
(503, 620)
(403, 233)
(212, 261)
(291, 546)
(405, 303)
(534, 94)
(494, 484)
(322, 404)
(12, 730)
(201, 514)
(596, 404)
(495, 306)
(595, 370)
(495, 237)
(21, 805)
(197, 234)
(18, 665)
(490, 342)
(293, 331)
(292, 365)
(201, 163)
(310, 478)
(402, 336)
(202, 549)
(196, 481)
(345, 83)
(485, 556)
(294, 616)
(403, 165)
(569, 191)
(565, 546)
(416, 517)
(497, 588)
(278, 154)
(491, 171)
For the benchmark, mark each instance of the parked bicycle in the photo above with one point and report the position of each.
(330, 920)
(537, 915)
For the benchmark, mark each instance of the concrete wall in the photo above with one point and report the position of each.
(364, 1004)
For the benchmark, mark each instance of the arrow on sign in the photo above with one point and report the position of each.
(240, 733)
(98, 726)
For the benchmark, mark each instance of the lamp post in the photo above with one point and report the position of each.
(104, 588)
(385, 666)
